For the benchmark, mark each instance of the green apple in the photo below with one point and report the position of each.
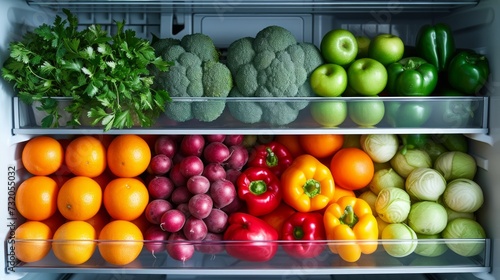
(329, 113)
(339, 46)
(349, 92)
(363, 45)
(366, 113)
(366, 76)
(386, 48)
(329, 80)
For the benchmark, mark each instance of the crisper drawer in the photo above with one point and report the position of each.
(342, 115)
(221, 263)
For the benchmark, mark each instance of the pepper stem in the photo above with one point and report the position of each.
(312, 188)
(349, 218)
(298, 233)
(258, 187)
(271, 158)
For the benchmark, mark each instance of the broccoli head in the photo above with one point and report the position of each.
(197, 72)
(274, 65)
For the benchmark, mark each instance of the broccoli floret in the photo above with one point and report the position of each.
(201, 45)
(274, 39)
(273, 65)
(163, 44)
(250, 111)
(196, 72)
(217, 79)
(244, 56)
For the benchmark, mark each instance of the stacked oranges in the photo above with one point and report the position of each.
(86, 195)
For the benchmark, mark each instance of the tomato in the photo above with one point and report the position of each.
(321, 145)
(352, 168)
(292, 144)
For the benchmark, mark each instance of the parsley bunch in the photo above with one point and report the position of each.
(108, 77)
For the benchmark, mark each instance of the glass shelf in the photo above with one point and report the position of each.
(221, 263)
(467, 115)
(252, 6)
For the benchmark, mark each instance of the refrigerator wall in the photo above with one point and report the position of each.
(473, 23)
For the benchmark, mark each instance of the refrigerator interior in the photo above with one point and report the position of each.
(473, 26)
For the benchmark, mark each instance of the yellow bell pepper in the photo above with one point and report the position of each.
(348, 220)
(307, 184)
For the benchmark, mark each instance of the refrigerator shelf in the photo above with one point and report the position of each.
(327, 263)
(447, 115)
(253, 6)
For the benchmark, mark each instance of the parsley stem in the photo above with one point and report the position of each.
(40, 77)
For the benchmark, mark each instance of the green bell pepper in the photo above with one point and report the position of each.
(411, 76)
(413, 141)
(435, 43)
(407, 113)
(454, 112)
(453, 142)
(468, 72)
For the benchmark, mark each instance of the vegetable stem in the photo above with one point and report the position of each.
(349, 218)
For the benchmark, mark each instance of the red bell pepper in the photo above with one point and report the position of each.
(304, 226)
(260, 189)
(278, 217)
(257, 238)
(272, 155)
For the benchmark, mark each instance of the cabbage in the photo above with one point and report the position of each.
(463, 228)
(381, 224)
(455, 164)
(411, 159)
(463, 195)
(434, 149)
(427, 217)
(370, 198)
(380, 147)
(430, 248)
(425, 183)
(400, 248)
(393, 205)
(452, 214)
(351, 140)
(386, 178)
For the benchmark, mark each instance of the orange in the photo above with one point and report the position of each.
(125, 198)
(55, 221)
(128, 155)
(79, 198)
(120, 242)
(63, 169)
(104, 179)
(42, 155)
(85, 156)
(291, 142)
(99, 220)
(27, 249)
(105, 139)
(36, 198)
(321, 145)
(74, 242)
(60, 179)
(352, 168)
